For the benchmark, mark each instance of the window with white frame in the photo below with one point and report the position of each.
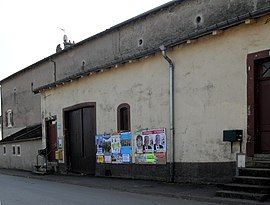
(18, 150)
(9, 118)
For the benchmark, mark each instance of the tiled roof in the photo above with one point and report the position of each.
(29, 133)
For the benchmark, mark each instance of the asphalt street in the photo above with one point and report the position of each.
(26, 191)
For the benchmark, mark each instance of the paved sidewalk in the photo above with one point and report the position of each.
(204, 193)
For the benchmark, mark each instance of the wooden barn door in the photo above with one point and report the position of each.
(82, 131)
(258, 101)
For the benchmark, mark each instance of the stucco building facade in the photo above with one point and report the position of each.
(209, 43)
(173, 22)
(210, 90)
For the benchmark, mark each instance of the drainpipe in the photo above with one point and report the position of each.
(54, 69)
(171, 104)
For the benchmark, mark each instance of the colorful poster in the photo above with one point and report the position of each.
(99, 140)
(100, 159)
(154, 140)
(126, 148)
(126, 158)
(114, 149)
(117, 159)
(150, 147)
(160, 157)
(148, 143)
(160, 142)
(140, 159)
(106, 145)
(138, 144)
(150, 158)
(116, 144)
(108, 159)
(103, 145)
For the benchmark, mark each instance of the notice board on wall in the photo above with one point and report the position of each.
(115, 148)
(143, 147)
(150, 147)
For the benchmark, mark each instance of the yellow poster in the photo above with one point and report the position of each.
(100, 159)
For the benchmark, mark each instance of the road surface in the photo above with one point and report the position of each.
(26, 191)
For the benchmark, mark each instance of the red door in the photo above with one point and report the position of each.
(263, 107)
(51, 140)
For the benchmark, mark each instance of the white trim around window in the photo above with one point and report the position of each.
(9, 118)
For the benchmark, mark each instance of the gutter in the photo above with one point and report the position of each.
(171, 111)
(22, 140)
(194, 35)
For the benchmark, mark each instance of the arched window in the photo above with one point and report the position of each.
(123, 117)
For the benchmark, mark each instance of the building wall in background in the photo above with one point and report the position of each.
(25, 160)
(18, 97)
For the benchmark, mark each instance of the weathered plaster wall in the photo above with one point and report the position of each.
(27, 159)
(210, 92)
(17, 95)
(147, 96)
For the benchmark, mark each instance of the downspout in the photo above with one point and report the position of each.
(171, 109)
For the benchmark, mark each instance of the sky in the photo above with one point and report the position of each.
(30, 30)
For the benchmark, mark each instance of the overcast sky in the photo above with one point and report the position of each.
(30, 29)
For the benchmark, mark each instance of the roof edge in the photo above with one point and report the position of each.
(195, 35)
(24, 140)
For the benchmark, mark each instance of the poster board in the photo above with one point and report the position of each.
(103, 146)
(150, 147)
(116, 149)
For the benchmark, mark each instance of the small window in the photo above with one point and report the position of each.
(13, 150)
(4, 150)
(123, 117)
(265, 71)
(19, 150)
(9, 118)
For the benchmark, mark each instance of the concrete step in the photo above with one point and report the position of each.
(242, 195)
(262, 156)
(256, 172)
(258, 164)
(259, 159)
(246, 188)
(264, 181)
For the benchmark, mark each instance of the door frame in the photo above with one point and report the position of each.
(65, 128)
(251, 146)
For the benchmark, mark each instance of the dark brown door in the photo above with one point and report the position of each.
(51, 140)
(82, 131)
(263, 107)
